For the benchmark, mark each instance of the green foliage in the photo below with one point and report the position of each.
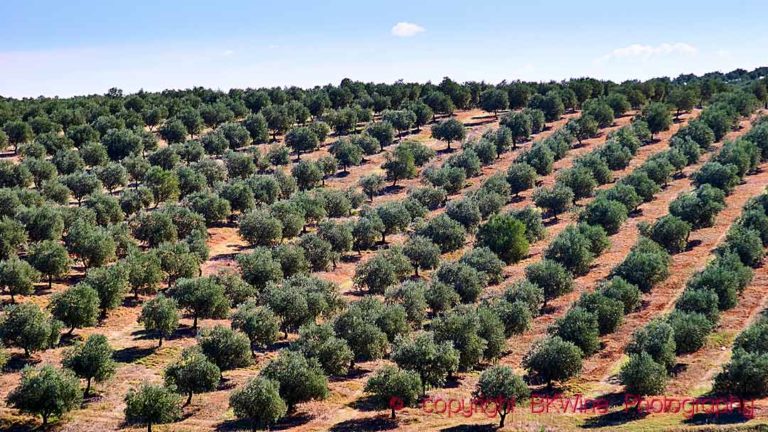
(151, 404)
(642, 375)
(26, 326)
(444, 232)
(202, 297)
(700, 207)
(91, 360)
(192, 373)
(690, 329)
(46, 391)
(226, 348)
(18, 277)
(658, 340)
(432, 361)
(259, 401)
(299, 379)
(390, 383)
(553, 359)
(646, 265)
(449, 131)
(77, 307)
(555, 200)
(551, 277)
(617, 288)
(461, 326)
(580, 327)
(669, 231)
(161, 316)
(499, 383)
(505, 236)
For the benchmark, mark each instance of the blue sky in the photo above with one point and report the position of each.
(74, 47)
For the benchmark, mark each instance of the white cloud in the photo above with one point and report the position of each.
(646, 52)
(406, 29)
(228, 52)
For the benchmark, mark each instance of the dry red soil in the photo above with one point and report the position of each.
(140, 360)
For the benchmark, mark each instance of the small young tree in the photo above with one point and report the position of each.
(618, 289)
(77, 307)
(259, 402)
(160, 315)
(500, 385)
(391, 384)
(192, 373)
(91, 360)
(151, 404)
(46, 391)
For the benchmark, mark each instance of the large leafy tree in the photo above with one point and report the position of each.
(91, 360)
(151, 404)
(46, 391)
(259, 402)
(192, 373)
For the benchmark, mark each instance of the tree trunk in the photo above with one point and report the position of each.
(149, 427)
(50, 281)
(160, 343)
(87, 386)
(393, 413)
(71, 329)
(189, 399)
(194, 323)
(502, 417)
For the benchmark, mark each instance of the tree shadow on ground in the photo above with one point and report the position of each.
(615, 418)
(23, 425)
(692, 244)
(700, 419)
(132, 354)
(367, 404)
(353, 373)
(18, 362)
(379, 423)
(488, 427)
(389, 190)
